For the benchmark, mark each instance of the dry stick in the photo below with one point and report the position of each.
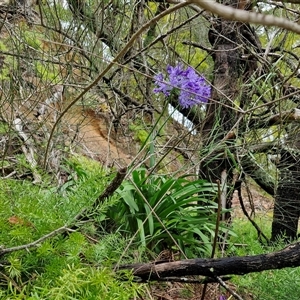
(251, 201)
(35, 243)
(232, 292)
(218, 220)
(110, 65)
(112, 187)
(18, 125)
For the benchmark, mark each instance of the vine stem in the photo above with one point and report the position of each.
(109, 66)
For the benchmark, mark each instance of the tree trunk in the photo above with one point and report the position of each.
(287, 200)
(220, 115)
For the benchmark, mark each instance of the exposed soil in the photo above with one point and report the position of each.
(255, 200)
(99, 141)
(119, 147)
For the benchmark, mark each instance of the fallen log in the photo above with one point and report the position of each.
(237, 265)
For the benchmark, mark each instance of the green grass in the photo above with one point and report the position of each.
(267, 285)
(76, 266)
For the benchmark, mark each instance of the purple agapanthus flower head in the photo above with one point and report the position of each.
(191, 87)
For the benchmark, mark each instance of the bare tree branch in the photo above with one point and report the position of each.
(112, 187)
(230, 13)
(280, 118)
(287, 257)
(35, 243)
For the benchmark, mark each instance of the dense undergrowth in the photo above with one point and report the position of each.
(79, 264)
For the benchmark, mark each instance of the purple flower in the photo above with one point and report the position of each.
(162, 87)
(191, 88)
(222, 297)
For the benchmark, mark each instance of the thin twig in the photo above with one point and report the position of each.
(119, 56)
(238, 187)
(216, 233)
(8, 279)
(218, 220)
(225, 286)
(35, 243)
